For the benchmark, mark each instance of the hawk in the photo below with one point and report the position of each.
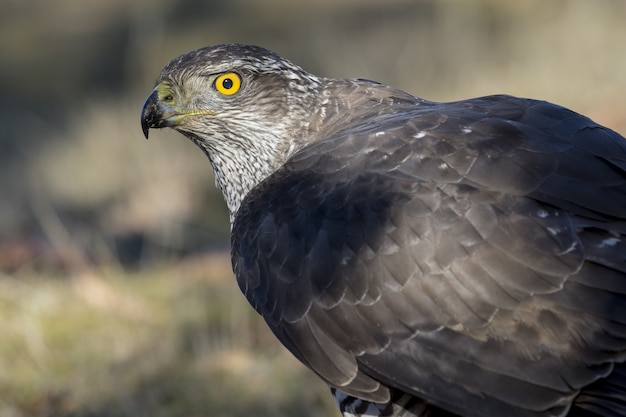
(423, 258)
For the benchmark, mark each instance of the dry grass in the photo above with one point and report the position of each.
(177, 340)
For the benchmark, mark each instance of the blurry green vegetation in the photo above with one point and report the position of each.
(176, 340)
(116, 297)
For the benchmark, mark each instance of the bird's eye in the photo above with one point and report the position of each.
(228, 83)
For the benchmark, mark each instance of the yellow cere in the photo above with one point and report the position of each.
(228, 83)
(166, 96)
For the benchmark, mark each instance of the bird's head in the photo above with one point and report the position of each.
(245, 106)
(219, 88)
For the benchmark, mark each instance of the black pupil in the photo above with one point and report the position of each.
(227, 83)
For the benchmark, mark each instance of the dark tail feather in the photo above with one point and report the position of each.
(605, 397)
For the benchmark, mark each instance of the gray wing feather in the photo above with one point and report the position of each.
(457, 252)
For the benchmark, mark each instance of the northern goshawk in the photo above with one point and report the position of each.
(423, 258)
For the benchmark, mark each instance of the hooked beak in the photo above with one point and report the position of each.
(155, 115)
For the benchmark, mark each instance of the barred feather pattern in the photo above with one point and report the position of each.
(401, 405)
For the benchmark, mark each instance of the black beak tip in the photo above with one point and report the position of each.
(144, 127)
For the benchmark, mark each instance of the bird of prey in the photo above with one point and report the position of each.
(424, 259)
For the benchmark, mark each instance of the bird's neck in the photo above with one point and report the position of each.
(247, 155)
(238, 169)
(345, 103)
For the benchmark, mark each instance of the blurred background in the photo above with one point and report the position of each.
(116, 295)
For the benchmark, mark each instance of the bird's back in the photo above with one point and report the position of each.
(470, 254)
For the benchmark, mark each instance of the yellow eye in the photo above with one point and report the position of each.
(228, 83)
